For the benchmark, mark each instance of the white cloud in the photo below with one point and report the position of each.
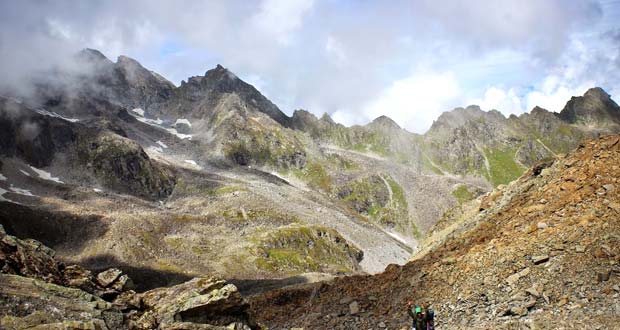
(279, 18)
(508, 102)
(554, 93)
(335, 50)
(417, 100)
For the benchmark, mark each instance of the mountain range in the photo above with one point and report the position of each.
(112, 165)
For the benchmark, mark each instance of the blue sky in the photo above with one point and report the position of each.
(410, 60)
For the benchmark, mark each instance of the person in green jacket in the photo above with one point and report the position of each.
(419, 319)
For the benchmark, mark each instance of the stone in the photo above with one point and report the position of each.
(540, 259)
(532, 291)
(107, 277)
(542, 225)
(580, 249)
(609, 187)
(518, 310)
(51, 306)
(206, 300)
(514, 278)
(346, 300)
(603, 276)
(354, 308)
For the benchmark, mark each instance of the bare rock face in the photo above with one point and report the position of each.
(205, 300)
(595, 107)
(122, 164)
(28, 258)
(27, 303)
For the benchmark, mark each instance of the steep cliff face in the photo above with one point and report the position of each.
(594, 108)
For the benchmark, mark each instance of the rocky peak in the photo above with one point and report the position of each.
(461, 116)
(303, 119)
(219, 81)
(384, 122)
(93, 56)
(326, 118)
(594, 107)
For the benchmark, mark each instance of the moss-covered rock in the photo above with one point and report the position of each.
(121, 164)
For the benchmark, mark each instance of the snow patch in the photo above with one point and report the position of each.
(179, 135)
(45, 175)
(158, 122)
(2, 198)
(183, 121)
(97, 190)
(25, 173)
(2, 177)
(156, 149)
(55, 115)
(152, 122)
(21, 191)
(139, 111)
(189, 161)
(399, 238)
(161, 144)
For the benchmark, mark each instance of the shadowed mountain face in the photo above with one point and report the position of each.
(212, 177)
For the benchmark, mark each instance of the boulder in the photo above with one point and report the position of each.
(203, 300)
(106, 278)
(30, 302)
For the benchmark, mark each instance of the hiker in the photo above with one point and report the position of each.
(419, 319)
(430, 319)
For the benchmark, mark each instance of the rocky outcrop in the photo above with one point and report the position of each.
(121, 164)
(594, 108)
(37, 292)
(193, 305)
(27, 303)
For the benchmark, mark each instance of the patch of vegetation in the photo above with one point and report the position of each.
(380, 199)
(265, 146)
(225, 190)
(462, 194)
(503, 166)
(269, 215)
(298, 249)
(315, 175)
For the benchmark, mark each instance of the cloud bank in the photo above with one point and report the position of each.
(410, 60)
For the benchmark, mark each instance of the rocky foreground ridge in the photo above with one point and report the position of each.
(540, 253)
(37, 292)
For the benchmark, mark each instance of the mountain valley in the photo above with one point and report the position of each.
(112, 166)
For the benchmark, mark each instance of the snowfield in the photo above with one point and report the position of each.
(179, 135)
(45, 175)
(161, 144)
(55, 115)
(183, 121)
(21, 191)
(2, 177)
(25, 173)
(138, 111)
(158, 150)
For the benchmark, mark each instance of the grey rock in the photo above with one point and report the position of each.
(354, 308)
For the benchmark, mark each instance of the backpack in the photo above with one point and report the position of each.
(430, 322)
